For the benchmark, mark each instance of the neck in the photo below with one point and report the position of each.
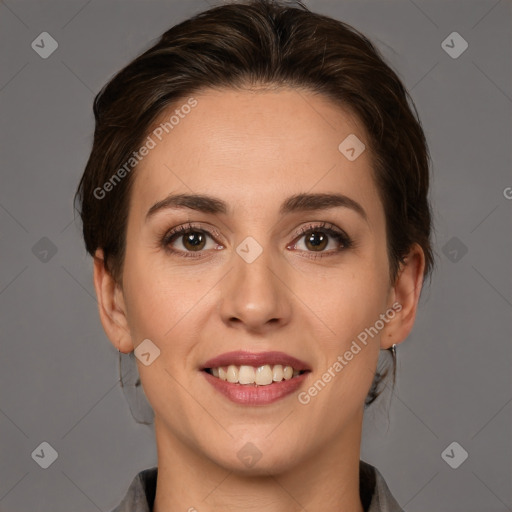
(189, 481)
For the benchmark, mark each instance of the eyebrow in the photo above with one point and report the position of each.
(299, 202)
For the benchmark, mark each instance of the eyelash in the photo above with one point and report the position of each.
(332, 231)
(340, 236)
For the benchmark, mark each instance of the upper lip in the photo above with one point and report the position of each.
(240, 357)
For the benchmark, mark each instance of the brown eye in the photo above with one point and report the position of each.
(316, 241)
(194, 241)
(324, 240)
(187, 240)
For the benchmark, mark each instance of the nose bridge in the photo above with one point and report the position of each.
(254, 294)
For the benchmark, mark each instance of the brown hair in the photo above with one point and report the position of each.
(249, 44)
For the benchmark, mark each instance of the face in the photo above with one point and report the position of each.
(281, 262)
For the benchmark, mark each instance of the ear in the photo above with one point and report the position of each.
(404, 297)
(111, 306)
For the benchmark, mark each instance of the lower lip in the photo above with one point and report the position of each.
(248, 394)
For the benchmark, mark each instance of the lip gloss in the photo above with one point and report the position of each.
(251, 394)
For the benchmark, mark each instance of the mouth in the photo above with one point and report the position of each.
(255, 378)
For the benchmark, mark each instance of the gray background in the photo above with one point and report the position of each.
(59, 377)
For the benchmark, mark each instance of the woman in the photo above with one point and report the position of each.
(256, 205)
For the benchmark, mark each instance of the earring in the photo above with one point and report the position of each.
(132, 389)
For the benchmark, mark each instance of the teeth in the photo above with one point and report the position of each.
(232, 373)
(277, 373)
(261, 376)
(246, 375)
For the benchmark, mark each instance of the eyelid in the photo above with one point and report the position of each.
(177, 231)
(321, 225)
(190, 226)
(331, 229)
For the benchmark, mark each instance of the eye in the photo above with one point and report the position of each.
(322, 238)
(189, 239)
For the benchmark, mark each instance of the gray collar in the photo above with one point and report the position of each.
(375, 494)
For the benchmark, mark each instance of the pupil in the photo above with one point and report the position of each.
(194, 240)
(317, 240)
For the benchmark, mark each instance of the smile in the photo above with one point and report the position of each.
(255, 379)
(249, 375)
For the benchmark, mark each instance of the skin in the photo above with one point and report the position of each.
(253, 150)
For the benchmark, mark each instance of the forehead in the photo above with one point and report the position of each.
(250, 146)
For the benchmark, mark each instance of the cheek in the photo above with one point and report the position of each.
(159, 293)
(161, 306)
(342, 304)
(154, 302)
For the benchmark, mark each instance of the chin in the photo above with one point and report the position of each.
(259, 456)
(267, 465)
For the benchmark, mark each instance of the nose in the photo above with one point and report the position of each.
(255, 296)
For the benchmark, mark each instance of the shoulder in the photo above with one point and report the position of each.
(375, 493)
(141, 493)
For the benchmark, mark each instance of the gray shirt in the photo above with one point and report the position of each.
(375, 494)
